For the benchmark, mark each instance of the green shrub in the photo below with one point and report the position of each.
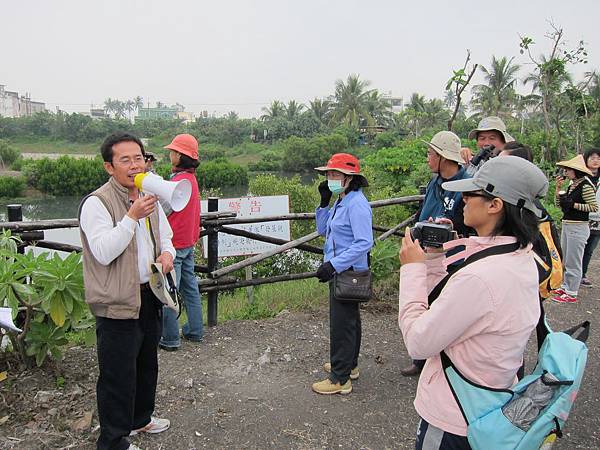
(399, 166)
(46, 297)
(385, 140)
(219, 173)
(17, 164)
(12, 186)
(66, 175)
(270, 161)
(303, 198)
(304, 154)
(384, 258)
(8, 154)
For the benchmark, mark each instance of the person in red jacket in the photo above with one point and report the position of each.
(186, 231)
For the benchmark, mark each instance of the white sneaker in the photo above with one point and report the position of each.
(133, 447)
(155, 426)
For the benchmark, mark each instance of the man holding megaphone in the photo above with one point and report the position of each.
(124, 232)
(185, 222)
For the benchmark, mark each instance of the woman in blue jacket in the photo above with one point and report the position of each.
(347, 228)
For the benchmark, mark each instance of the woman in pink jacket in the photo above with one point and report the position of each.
(485, 313)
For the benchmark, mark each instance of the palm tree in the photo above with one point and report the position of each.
(293, 109)
(350, 102)
(119, 109)
(321, 109)
(497, 96)
(138, 103)
(434, 114)
(417, 102)
(379, 108)
(549, 81)
(129, 107)
(276, 109)
(109, 105)
(594, 90)
(450, 99)
(414, 112)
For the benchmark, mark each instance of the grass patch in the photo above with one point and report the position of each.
(244, 159)
(61, 147)
(269, 300)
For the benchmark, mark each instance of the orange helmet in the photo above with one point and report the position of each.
(342, 162)
(185, 144)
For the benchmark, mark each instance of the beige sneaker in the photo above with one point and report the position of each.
(326, 387)
(156, 425)
(354, 373)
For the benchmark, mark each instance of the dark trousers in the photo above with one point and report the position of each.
(344, 337)
(420, 363)
(590, 246)
(432, 438)
(128, 363)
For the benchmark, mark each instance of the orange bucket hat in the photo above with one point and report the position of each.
(342, 162)
(185, 144)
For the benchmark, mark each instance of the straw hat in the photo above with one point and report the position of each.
(577, 163)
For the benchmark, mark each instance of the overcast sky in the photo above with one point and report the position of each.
(239, 55)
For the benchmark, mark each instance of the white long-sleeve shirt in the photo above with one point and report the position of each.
(107, 241)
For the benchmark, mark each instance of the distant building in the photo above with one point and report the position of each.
(185, 116)
(98, 113)
(176, 111)
(163, 112)
(397, 104)
(13, 105)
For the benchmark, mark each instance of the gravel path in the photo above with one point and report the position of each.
(248, 386)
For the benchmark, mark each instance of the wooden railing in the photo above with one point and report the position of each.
(213, 223)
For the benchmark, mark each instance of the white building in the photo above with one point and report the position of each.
(13, 105)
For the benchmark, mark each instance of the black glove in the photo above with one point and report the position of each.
(325, 272)
(325, 194)
(566, 203)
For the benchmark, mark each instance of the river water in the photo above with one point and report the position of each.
(67, 207)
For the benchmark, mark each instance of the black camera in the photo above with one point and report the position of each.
(432, 234)
(559, 172)
(484, 154)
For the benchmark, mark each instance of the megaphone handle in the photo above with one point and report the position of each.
(171, 281)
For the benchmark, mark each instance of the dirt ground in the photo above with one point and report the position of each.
(248, 386)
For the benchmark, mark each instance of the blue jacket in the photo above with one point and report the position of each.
(349, 224)
(439, 202)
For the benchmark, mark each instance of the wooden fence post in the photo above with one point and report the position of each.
(212, 262)
(249, 289)
(14, 213)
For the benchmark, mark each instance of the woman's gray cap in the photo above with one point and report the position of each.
(514, 180)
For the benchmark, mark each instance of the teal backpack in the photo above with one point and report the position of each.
(532, 413)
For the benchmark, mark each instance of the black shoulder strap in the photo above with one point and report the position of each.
(496, 250)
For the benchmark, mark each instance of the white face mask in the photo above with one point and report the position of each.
(335, 186)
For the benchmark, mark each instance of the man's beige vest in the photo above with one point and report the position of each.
(113, 291)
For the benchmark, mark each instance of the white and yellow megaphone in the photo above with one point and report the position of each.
(175, 193)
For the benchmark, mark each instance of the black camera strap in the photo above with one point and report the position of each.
(495, 250)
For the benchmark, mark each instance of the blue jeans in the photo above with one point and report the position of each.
(188, 288)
